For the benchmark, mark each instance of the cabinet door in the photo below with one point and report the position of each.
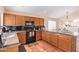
(37, 23)
(32, 19)
(45, 36)
(53, 39)
(19, 20)
(65, 42)
(26, 18)
(41, 20)
(9, 20)
(38, 35)
(22, 37)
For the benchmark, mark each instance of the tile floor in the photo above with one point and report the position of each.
(41, 46)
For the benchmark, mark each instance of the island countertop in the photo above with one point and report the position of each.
(64, 32)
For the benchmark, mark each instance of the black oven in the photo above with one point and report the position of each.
(30, 33)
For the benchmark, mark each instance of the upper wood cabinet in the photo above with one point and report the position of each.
(9, 20)
(41, 21)
(27, 18)
(32, 19)
(37, 22)
(19, 20)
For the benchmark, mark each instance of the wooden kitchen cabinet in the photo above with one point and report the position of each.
(53, 39)
(66, 43)
(50, 37)
(32, 19)
(37, 22)
(19, 20)
(41, 21)
(9, 20)
(45, 36)
(26, 18)
(38, 35)
(22, 37)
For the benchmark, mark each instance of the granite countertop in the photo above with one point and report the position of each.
(57, 31)
(19, 31)
(64, 32)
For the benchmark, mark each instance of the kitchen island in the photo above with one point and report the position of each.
(66, 41)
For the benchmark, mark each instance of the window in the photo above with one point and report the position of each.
(51, 25)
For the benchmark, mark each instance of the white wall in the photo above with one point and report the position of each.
(72, 17)
(1, 15)
(46, 19)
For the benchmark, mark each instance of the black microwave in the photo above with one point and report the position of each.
(29, 23)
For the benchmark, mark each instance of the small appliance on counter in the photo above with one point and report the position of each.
(15, 28)
(39, 27)
(11, 28)
(5, 29)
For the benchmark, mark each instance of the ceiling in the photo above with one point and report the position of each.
(46, 11)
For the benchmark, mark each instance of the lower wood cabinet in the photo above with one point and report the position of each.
(45, 36)
(66, 43)
(62, 41)
(50, 37)
(53, 39)
(38, 35)
(22, 37)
